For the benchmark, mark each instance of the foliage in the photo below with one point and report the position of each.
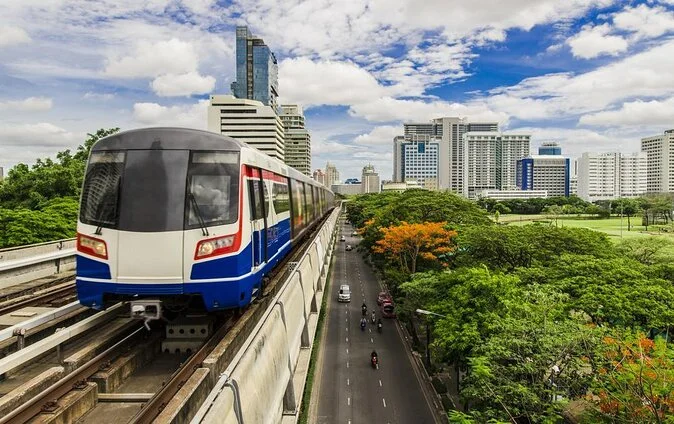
(405, 243)
(56, 219)
(510, 247)
(535, 206)
(635, 382)
(647, 250)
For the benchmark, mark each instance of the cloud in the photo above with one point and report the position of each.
(575, 141)
(382, 135)
(636, 113)
(182, 85)
(388, 109)
(190, 116)
(31, 104)
(12, 35)
(596, 41)
(313, 83)
(644, 21)
(37, 135)
(89, 95)
(151, 59)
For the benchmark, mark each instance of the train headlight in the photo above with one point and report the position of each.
(213, 247)
(92, 246)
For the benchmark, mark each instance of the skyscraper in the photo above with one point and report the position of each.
(370, 180)
(544, 172)
(256, 69)
(332, 174)
(490, 160)
(550, 149)
(320, 177)
(297, 139)
(660, 152)
(248, 121)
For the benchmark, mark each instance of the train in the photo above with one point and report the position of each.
(170, 217)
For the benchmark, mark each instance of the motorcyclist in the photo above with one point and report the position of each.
(363, 323)
(374, 317)
(374, 358)
(379, 325)
(364, 308)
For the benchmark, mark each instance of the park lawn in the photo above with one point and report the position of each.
(610, 226)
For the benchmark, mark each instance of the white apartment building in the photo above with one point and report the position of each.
(660, 162)
(416, 158)
(297, 139)
(248, 121)
(320, 177)
(544, 172)
(606, 176)
(331, 175)
(370, 180)
(490, 161)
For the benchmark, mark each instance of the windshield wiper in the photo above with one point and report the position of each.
(99, 217)
(202, 224)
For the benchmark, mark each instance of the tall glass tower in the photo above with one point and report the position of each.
(256, 69)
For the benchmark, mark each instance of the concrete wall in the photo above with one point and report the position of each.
(19, 265)
(264, 383)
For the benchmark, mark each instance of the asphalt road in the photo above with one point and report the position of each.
(348, 389)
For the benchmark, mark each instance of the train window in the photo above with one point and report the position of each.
(100, 194)
(255, 203)
(265, 190)
(306, 196)
(212, 189)
(298, 205)
(280, 198)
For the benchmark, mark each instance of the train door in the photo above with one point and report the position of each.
(258, 217)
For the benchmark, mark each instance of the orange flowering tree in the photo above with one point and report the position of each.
(405, 243)
(636, 381)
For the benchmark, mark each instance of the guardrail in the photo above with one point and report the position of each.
(21, 264)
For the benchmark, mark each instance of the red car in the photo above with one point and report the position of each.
(387, 309)
(384, 296)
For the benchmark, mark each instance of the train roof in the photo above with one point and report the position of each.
(167, 138)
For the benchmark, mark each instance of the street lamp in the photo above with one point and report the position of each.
(428, 335)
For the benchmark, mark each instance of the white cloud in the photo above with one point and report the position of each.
(190, 116)
(644, 21)
(31, 104)
(182, 85)
(379, 136)
(151, 59)
(575, 141)
(326, 83)
(90, 95)
(637, 113)
(388, 109)
(596, 41)
(11, 35)
(36, 135)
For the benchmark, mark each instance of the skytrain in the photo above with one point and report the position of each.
(170, 216)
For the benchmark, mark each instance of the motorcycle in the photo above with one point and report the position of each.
(375, 362)
(364, 310)
(374, 318)
(362, 325)
(379, 327)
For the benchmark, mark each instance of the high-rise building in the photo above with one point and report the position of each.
(606, 176)
(370, 180)
(550, 149)
(256, 69)
(544, 172)
(573, 178)
(660, 162)
(320, 177)
(332, 174)
(415, 158)
(448, 134)
(297, 139)
(490, 161)
(248, 121)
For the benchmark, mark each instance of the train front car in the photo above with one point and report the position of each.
(157, 206)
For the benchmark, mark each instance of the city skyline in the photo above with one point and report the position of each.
(565, 71)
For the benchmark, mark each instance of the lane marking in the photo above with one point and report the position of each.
(347, 364)
(347, 382)
(380, 383)
(347, 350)
(347, 340)
(348, 401)
(371, 340)
(384, 400)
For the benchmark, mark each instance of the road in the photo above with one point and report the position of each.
(348, 389)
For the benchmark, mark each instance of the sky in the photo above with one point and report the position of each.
(593, 75)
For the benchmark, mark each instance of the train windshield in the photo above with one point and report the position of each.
(212, 189)
(155, 190)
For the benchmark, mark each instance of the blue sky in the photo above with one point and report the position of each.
(594, 75)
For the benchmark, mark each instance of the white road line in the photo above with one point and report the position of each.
(380, 385)
(348, 401)
(384, 400)
(348, 382)
(371, 340)
(347, 350)
(347, 364)
(347, 340)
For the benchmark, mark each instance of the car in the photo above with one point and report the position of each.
(384, 297)
(342, 239)
(344, 293)
(348, 248)
(355, 233)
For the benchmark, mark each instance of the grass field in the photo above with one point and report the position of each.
(609, 226)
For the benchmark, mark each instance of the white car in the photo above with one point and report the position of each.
(342, 239)
(344, 293)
